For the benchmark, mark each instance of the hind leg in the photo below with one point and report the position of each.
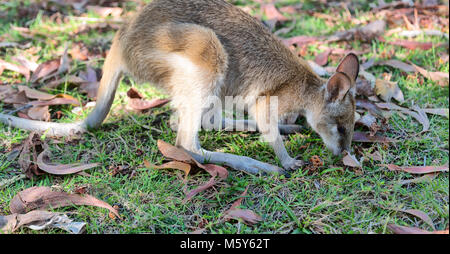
(187, 137)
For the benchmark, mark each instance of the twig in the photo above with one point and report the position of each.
(12, 112)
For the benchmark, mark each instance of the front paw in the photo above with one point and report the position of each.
(294, 164)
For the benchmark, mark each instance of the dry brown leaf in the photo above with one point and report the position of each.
(248, 216)
(71, 79)
(43, 198)
(133, 93)
(79, 52)
(364, 87)
(57, 101)
(351, 161)
(15, 68)
(35, 94)
(45, 69)
(38, 220)
(376, 156)
(181, 155)
(419, 115)
(199, 189)
(365, 33)
(441, 78)
(61, 169)
(396, 229)
(29, 64)
(418, 169)
(175, 153)
(437, 111)
(172, 165)
(366, 138)
(140, 104)
(322, 58)
(272, 13)
(387, 90)
(16, 98)
(370, 122)
(419, 214)
(398, 65)
(39, 113)
(412, 44)
(90, 84)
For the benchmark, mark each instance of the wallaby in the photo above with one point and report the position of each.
(195, 49)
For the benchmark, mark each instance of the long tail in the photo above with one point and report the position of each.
(112, 72)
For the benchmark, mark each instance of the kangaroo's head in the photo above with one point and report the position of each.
(334, 118)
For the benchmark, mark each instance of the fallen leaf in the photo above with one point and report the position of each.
(45, 69)
(418, 169)
(397, 64)
(366, 138)
(44, 198)
(28, 149)
(396, 229)
(214, 171)
(364, 88)
(419, 214)
(272, 13)
(29, 64)
(420, 115)
(370, 122)
(322, 58)
(90, 84)
(437, 111)
(199, 189)
(17, 98)
(79, 52)
(61, 169)
(38, 220)
(441, 78)
(172, 165)
(35, 94)
(39, 113)
(133, 93)
(366, 33)
(15, 68)
(412, 44)
(387, 90)
(351, 161)
(248, 216)
(57, 101)
(140, 104)
(71, 79)
(181, 155)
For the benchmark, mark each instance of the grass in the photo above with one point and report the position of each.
(333, 199)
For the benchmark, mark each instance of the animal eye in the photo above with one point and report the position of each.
(341, 130)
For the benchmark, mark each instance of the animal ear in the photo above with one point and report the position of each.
(337, 87)
(350, 66)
